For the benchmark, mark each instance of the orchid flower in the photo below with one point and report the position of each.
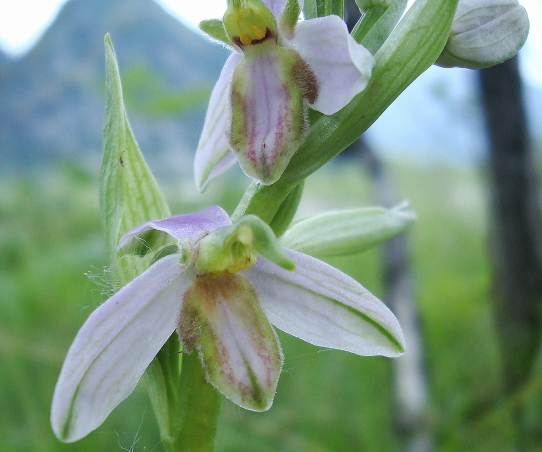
(221, 287)
(258, 108)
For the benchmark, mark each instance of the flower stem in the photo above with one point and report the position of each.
(199, 407)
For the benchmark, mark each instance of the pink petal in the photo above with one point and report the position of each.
(277, 6)
(188, 227)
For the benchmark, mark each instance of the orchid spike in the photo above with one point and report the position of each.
(221, 290)
(257, 112)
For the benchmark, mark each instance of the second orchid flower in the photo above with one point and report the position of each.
(258, 109)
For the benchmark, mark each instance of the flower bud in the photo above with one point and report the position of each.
(485, 33)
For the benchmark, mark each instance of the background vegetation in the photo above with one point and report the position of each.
(52, 276)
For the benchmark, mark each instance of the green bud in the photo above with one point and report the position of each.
(485, 33)
(347, 232)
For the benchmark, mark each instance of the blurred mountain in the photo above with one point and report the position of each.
(4, 61)
(52, 99)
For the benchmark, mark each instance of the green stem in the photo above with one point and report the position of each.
(199, 407)
(263, 200)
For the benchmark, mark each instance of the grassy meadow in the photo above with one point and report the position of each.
(52, 275)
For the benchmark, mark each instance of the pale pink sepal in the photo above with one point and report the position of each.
(325, 307)
(213, 155)
(114, 347)
(341, 65)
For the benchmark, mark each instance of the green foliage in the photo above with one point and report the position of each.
(52, 276)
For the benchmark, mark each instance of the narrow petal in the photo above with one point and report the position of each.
(325, 307)
(189, 227)
(223, 320)
(341, 65)
(289, 18)
(268, 112)
(114, 347)
(213, 155)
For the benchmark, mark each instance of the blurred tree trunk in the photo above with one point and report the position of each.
(410, 386)
(516, 223)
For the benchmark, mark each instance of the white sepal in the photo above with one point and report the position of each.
(114, 347)
(325, 307)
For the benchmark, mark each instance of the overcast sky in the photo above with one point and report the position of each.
(23, 21)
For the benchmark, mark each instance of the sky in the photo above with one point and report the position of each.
(20, 30)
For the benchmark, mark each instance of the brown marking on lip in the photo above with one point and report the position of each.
(212, 301)
(306, 80)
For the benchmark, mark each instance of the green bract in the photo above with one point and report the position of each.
(129, 194)
(377, 22)
(348, 231)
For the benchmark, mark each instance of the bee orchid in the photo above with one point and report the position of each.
(279, 67)
(221, 287)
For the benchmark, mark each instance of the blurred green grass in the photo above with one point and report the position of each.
(52, 276)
